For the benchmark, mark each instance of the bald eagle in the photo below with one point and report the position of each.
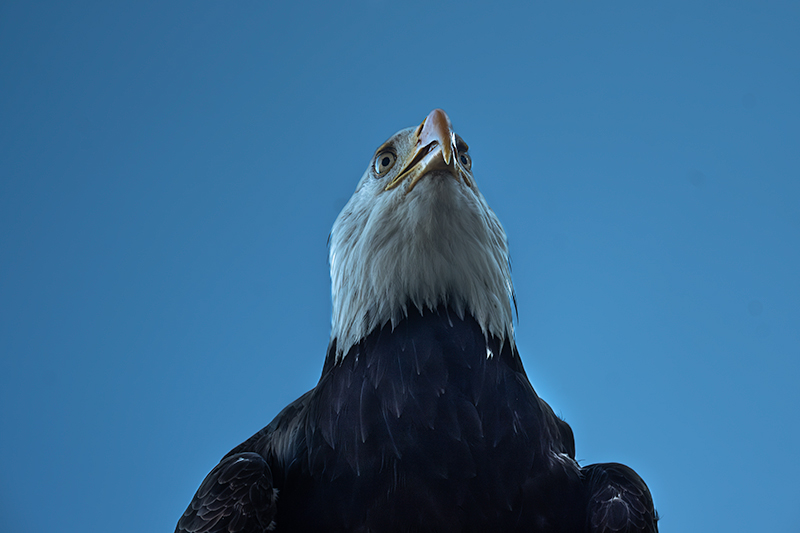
(423, 419)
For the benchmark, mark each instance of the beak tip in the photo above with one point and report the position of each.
(435, 130)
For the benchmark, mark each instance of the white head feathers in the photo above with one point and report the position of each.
(418, 232)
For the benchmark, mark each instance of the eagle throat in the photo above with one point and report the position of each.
(439, 244)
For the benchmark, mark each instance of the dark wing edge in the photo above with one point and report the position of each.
(619, 500)
(237, 496)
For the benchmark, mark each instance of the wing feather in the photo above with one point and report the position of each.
(237, 496)
(619, 501)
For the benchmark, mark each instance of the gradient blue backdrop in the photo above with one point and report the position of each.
(170, 172)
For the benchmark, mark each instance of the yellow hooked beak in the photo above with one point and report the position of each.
(435, 149)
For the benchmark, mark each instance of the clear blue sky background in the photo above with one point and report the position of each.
(170, 173)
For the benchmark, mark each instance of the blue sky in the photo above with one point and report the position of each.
(169, 173)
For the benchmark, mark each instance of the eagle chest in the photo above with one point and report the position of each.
(428, 416)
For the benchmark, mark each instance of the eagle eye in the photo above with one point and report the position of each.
(384, 162)
(466, 161)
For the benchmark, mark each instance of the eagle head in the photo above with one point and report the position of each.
(418, 232)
